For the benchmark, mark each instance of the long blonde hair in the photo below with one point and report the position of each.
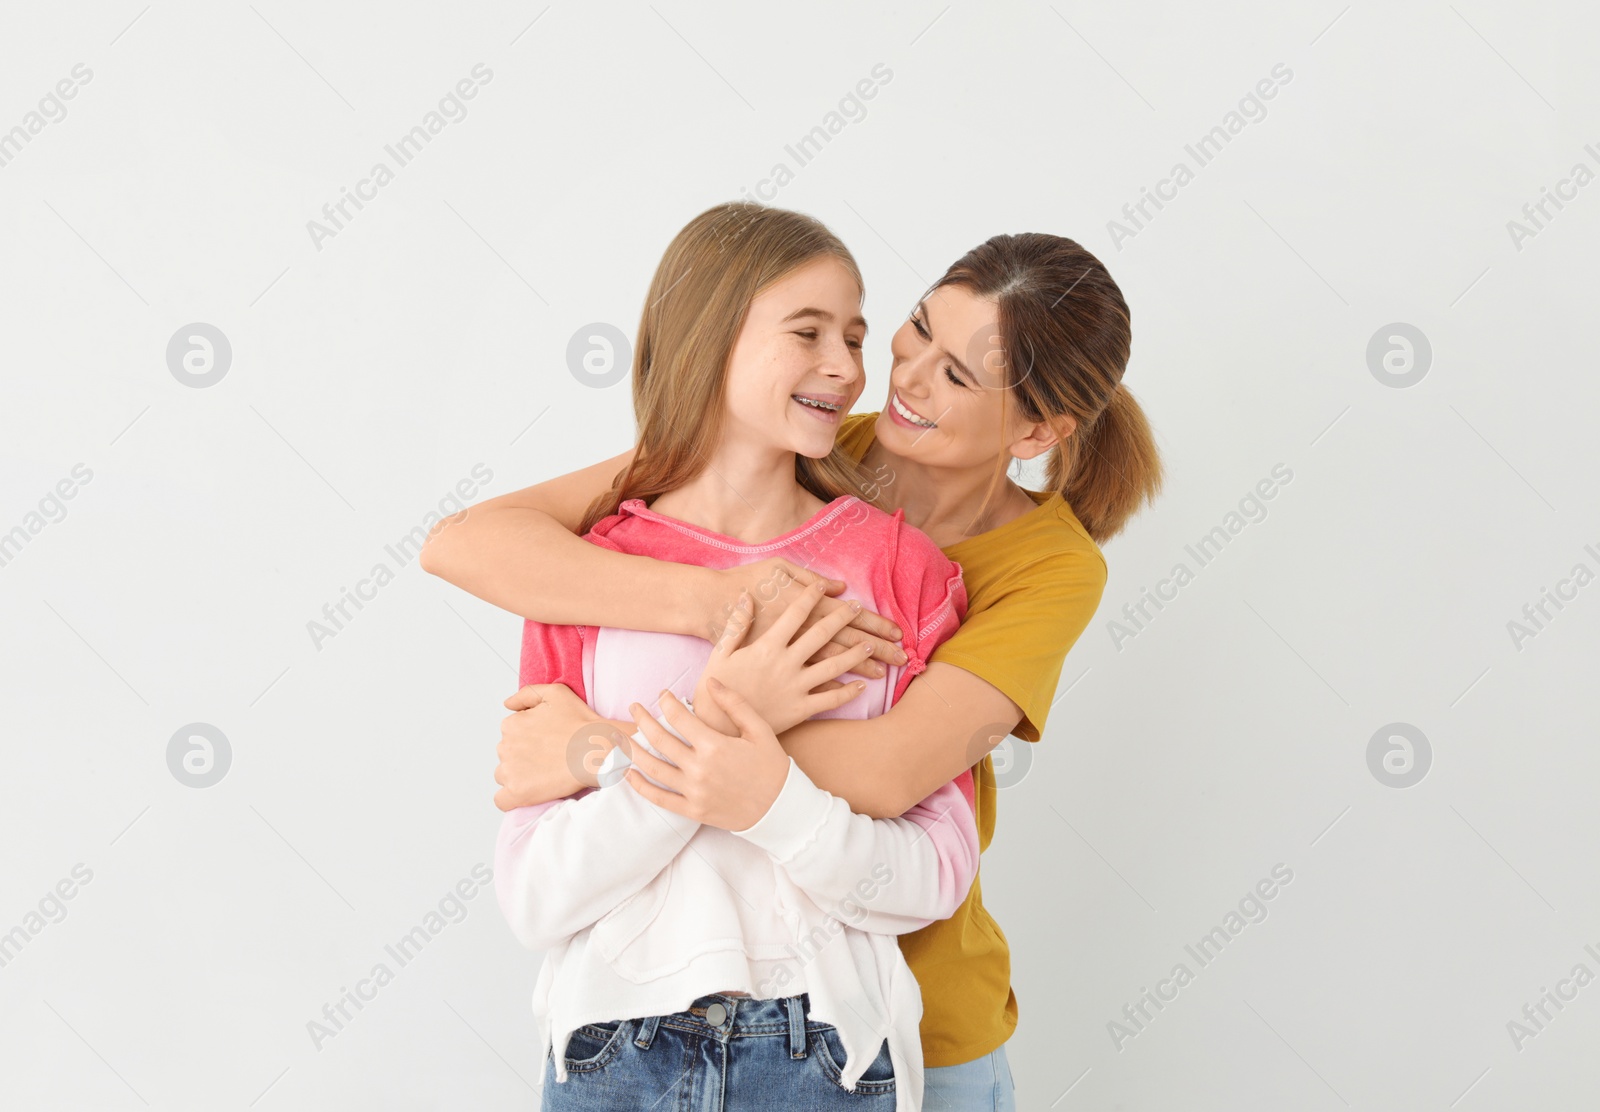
(694, 310)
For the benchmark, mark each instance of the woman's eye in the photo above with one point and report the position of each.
(810, 334)
(854, 343)
(916, 322)
(951, 375)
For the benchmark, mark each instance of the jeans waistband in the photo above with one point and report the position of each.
(737, 1017)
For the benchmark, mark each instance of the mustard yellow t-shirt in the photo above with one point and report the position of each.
(1032, 586)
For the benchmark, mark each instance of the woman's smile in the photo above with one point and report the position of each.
(903, 414)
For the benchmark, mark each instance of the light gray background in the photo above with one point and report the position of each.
(430, 335)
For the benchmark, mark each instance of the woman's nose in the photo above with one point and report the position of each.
(911, 377)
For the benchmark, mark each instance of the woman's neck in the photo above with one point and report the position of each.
(752, 496)
(947, 504)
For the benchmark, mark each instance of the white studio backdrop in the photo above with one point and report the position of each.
(1368, 293)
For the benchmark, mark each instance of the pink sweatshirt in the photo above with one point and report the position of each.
(634, 926)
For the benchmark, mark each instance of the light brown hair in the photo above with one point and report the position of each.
(696, 305)
(1065, 332)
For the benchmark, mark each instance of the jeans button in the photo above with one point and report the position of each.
(715, 1014)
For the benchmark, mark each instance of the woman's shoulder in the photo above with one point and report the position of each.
(1049, 538)
(856, 433)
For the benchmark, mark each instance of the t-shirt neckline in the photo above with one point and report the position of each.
(637, 507)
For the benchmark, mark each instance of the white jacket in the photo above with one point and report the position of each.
(640, 911)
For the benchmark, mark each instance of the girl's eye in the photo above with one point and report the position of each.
(854, 344)
(951, 375)
(916, 322)
(810, 334)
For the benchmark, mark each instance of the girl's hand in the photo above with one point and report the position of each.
(550, 747)
(775, 583)
(782, 687)
(723, 780)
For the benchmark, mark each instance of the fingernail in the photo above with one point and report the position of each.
(894, 633)
(855, 606)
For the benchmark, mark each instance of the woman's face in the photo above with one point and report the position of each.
(795, 369)
(947, 393)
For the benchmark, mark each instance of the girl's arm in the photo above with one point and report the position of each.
(559, 867)
(521, 552)
(887, 876)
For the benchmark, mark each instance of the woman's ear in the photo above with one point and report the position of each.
(1039, 437)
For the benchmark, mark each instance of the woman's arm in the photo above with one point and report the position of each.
(946, 722)
(521, 552)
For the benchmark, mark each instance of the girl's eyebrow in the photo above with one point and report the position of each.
(824, 315)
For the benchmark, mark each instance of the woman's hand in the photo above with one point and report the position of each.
(723, 780)
(551, 746)
(783, 689)
(775, 583)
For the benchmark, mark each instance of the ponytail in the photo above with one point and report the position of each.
(1106, 471)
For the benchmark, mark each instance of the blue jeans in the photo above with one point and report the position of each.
(981, 1085)
(764, 1054)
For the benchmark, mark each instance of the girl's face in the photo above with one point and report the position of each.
(795, 369)
(947, 392)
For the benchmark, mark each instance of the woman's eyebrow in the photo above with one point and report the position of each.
(959, 364)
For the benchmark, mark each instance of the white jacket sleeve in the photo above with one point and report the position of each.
(560, 866)
(887, 876)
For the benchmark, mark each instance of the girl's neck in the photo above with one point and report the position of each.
(945, 503)
(750, 496)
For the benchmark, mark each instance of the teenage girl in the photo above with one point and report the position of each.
(739, 955)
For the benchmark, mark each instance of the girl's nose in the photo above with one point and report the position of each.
(841, 365)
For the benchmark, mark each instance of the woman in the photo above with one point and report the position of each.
(1018, 351)
(748, 950)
